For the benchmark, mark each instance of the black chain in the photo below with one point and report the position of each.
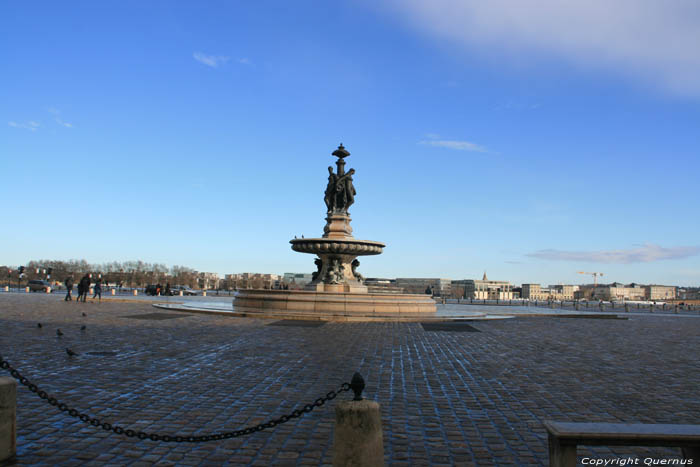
(168, 438)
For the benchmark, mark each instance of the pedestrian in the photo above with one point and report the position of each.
(98, 289)
(80, 291)
(158, 289)
(85, 283)
(167, 289)
(69, 288)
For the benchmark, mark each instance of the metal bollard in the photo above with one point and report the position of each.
(48, 289)
(204, 293)
(358, 430)
(8, 417)
(26, 289)
(182, 293)
(114, 292)
(136, 292)
(627, 307)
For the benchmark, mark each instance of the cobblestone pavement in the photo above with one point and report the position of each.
(448, 398)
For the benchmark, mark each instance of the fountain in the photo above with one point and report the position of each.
(336, 288)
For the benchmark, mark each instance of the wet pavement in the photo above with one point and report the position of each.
(448, 397)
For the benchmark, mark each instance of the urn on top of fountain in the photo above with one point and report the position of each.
(337, 249)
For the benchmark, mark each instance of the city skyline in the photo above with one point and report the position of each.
(200, 135)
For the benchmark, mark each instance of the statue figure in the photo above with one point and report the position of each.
(335, 272)
(319, 265)
(343, 195)
(355, 264)
(340, 191)
(330, 189)
(349, 189)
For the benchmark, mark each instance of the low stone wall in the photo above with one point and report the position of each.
(329, 302)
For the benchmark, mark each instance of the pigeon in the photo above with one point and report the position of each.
(70, 352)
(84, 314)
(59, 333)
(38, 325)
(82, 328)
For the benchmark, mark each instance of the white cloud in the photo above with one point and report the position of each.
(456, 145)
(57, 119)
(210, 60)
(245, 61)
(65, 124)
(30, 125)
(645, 254)
(653, 40)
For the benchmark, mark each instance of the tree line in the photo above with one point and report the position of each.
(123, 274)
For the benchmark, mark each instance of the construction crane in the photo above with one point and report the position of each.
(595, 276)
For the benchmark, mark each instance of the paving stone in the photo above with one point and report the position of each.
(453, 398)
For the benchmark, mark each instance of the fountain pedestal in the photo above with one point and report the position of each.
(337, 252)
(336, 286)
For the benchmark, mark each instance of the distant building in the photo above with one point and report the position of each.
(660, 292)
(380, 285)
(517, 292)
(208, 280)
(533, 292)
(252, 280)
(415, 285)
(553, 292)
(562, 292)
(617, 291)
(485, 289)
(689, 293)
(296, 278)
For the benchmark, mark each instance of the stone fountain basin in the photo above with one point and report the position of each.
(342, 246)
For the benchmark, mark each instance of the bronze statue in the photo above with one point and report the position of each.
(335, 272)
(340, 191)
(354, 265)
(330, 189)
(319, 265)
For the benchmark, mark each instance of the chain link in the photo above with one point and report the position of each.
(296, 413)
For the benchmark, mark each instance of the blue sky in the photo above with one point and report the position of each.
(528, 140)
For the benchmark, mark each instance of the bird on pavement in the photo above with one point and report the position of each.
(84, 314)
(38, 325)
(70, 352)
(82, 328)
(59, 333)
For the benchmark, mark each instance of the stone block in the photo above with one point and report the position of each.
(358, 434)
(8, 417)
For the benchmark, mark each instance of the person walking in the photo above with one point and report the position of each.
(69, 288)
(80, 291)
(85, 283)
(167, 289)
(98, 289)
